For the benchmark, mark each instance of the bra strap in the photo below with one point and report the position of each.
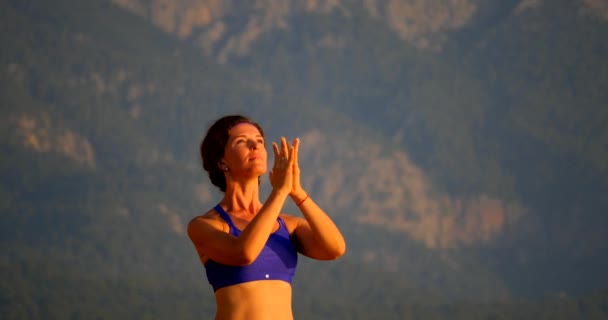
(224, 215)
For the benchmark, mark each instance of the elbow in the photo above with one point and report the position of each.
(340, 251)
(242, 261)
(340, 247)
(245, 257)
(337, 252)
(246, 260)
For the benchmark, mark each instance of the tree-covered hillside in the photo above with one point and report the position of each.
(427, 161)
(512, 106)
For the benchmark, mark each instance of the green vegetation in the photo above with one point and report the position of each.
(101, 239)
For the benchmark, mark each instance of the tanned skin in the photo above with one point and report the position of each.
(315, 234)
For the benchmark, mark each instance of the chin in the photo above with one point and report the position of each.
(257, 172)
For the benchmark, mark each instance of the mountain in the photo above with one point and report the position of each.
(460, 146)
(496, 108)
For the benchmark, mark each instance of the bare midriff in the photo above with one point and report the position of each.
(256, 300)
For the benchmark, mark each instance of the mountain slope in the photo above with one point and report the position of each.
(408, 150)
(102, 175)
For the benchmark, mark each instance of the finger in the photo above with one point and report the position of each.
(291, 158)
(275, 148)
(296, 149)
(285, 148)
(271, 177)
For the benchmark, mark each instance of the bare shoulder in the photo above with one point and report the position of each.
(210, 218)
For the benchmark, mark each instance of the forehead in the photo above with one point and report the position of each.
(244, 129)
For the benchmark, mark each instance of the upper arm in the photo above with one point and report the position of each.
(210, 239)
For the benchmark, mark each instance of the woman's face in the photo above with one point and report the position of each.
(245, 152)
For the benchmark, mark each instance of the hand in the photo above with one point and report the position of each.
(281, 174)
(297, 193)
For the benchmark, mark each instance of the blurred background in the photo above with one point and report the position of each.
(461, 146)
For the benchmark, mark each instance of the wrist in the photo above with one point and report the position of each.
(280, 193)
(299, 196)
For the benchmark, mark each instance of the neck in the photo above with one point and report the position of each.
(242, 196)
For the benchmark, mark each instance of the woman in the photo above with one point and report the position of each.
(248, 247)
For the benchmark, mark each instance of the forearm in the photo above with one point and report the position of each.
(326, 234)
(253, 238)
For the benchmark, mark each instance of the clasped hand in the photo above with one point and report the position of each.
(285, 172)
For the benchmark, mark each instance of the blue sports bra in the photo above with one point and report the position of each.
(277, 261)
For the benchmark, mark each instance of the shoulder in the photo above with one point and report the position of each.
(291, 222)
(209, 219)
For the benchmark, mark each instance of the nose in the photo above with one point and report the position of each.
(253, 144)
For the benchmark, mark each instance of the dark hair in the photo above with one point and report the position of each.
(214, 143)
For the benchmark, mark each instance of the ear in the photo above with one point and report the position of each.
(222, 165)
